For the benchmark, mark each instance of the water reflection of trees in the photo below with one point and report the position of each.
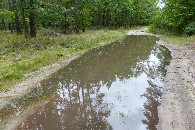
(80, 103)
(153, 94)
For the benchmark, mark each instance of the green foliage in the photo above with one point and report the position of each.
(6, 15)
(176, 16)
(91, 13)
(189, 29)
(59, 53)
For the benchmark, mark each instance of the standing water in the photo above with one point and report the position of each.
(117, 86)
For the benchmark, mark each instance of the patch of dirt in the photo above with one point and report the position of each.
(177, 110)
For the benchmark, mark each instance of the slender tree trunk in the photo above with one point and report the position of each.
(107, 18)
(99, 17)
(24, 20)
(66, 23)
(10, 23)
(32, 21)
(24, 23)
(11, 26)
(103, 18)
(1, 26)
(32, 24)
(83, 24)
(18, 29)
(7, 2)
(17, 20)
(70, 4)
(76, 17)
(4, 25)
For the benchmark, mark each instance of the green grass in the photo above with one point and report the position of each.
(171, 37)
(20, 56)
(176, 39)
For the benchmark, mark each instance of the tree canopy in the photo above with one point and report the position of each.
(177, 16)
(75, 15)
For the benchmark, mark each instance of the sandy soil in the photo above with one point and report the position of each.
(177, 110)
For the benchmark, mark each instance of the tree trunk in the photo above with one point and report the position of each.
(11, 26)
(4, 25)
(10, 23)
(24, 23)
(24, 20)
(17, 20)
(66, 23)
(103, 18)
(32, 21)
(18, 29)
(76, 17)
(99, 17)
(7, 2)
(70, 4)
(1, 26)
(83, 24)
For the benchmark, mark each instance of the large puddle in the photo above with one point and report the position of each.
(117, 86)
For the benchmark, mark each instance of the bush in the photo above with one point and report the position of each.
(189, 29)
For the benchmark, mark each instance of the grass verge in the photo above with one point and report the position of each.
(172, 38)
(20, 56)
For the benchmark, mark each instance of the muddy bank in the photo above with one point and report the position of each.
(177, 109)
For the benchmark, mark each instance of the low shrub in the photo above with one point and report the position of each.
(189, 29)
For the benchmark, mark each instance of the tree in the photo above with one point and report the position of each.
(74, 14)
(17, 20)
(24, 18)
(32, 19)
(175, 16)
(70, 4)
(76, 17)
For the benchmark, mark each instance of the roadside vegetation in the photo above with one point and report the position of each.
(172, 37)
(175, 21)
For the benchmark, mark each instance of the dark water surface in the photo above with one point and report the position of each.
(117, 86)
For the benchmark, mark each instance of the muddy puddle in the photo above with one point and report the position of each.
(117, 86)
